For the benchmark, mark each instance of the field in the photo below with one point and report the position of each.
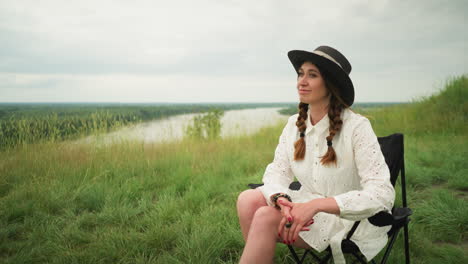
(175, 202)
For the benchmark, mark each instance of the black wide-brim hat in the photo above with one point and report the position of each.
(330, 60)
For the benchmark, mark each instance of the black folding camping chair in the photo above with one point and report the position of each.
(393, 151)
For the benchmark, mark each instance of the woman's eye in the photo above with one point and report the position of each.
(312, 75)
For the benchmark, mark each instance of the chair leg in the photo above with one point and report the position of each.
(326, 259)
(407, 256)
(359, 258)
(295, 256)
(389, 247)
(317, 258)
(305, 255)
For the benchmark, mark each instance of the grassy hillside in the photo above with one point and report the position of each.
(443, 113)
(175, 203)
(436, 151)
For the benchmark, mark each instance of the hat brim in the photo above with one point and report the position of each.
(337, 75)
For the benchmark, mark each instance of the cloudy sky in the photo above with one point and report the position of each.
(223, 51)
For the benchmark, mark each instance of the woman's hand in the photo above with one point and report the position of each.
(284, 232)
(285, 209)
(302, 216)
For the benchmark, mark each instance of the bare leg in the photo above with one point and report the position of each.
(259, 224)
(247, 204)
(263, 235)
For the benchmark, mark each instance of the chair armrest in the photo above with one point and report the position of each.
(398, 216)
(293, 186)
(401, 214)
(382, 218)
(255, 185)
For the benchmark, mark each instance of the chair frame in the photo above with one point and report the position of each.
(399, 218)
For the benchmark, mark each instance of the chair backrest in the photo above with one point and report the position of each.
(392, 149)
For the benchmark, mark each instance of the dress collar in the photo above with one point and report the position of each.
(321, 125)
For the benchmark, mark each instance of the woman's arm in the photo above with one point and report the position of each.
(278, 174)
(327, 205)
(377, 193)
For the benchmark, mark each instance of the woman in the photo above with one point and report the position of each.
(335, 155)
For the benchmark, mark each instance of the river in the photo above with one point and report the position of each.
(233, 123)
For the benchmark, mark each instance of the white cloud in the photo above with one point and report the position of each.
(85, 48)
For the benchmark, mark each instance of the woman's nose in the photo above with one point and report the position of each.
(302, 81)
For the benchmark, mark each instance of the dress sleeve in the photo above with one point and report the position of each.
(377, 193)
(278, 174)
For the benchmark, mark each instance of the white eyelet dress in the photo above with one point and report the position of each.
(360, 183)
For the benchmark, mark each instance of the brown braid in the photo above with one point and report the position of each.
(300, 146)
(334, 115)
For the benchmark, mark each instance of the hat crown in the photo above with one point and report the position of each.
(336, 57)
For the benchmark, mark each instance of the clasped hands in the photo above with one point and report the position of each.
(299, 215)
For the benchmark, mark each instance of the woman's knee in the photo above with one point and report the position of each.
(267, 215)
(251, 198)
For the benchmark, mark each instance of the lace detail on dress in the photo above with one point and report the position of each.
(377, 193)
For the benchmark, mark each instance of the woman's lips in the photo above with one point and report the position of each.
(304, 91)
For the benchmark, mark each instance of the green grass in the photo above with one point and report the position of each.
(175, 203)
(126, 203)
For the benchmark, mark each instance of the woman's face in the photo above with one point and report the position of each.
(311, 86)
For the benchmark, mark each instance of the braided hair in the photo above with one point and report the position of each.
(336, 106)
(299, 146)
